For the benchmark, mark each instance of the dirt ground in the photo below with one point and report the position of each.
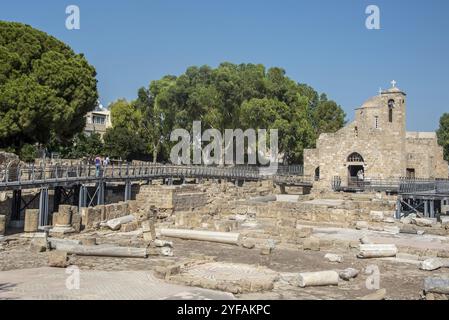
(401, 279)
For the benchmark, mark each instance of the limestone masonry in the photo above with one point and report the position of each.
(377, 145)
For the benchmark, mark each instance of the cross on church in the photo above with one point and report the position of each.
(393, 83)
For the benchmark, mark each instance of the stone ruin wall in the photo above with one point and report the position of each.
(425, 156)
(226, 208)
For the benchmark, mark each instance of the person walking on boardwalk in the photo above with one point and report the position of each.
(97, 166)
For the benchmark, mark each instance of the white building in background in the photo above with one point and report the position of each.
(98, 120)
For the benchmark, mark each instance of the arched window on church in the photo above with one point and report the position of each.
(317, 174)
(390, 110)
(355, 157)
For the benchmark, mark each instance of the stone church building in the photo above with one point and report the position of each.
(376, 145)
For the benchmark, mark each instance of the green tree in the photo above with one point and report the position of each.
(294, 130)
(443, 134)
(123, 143)
(45, 88)
(86, 146)
(327, 116)
(151, 124)
(229, 97)
(125, 114)
(28, 153)
(245, 96)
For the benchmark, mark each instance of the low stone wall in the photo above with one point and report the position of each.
(171, 198)
(92, 217)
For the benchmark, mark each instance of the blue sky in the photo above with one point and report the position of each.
(323, 43)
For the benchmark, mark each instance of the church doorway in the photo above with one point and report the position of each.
(355, 175)
(356, 170)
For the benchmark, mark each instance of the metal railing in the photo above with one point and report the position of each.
(399, 185)
(26, 175)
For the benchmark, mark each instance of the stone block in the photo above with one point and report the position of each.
(61, 231)
(153, 251)
(130, 226)
(266, 250)
(311, 244)
(392, 229)
(248, 243)
(376, 216)
(348, 274)
(2, 225)
(424, 222)
(133, 206)
(408, 228)
(76, 222)
(91, 217)
(39, 243)
(62, 218)
(361, 225)
(65, 209)
(31, 220)
(148, 236)
(326, 243)
(90, 241)
(287, 222)
(445, 221)
(331, 257)
(57, 259)
(304, 232)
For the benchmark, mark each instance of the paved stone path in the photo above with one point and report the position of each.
(51, 284)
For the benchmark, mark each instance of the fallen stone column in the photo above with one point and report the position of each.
(434, 264)
(377, 251)
(321, 278)
(423, 222)
(348, 274)
(212, 236)
(54, 242)
(116, 223)
(436, 285)
(163, 243)
(264, 199)
(103, 251)
(366, 240)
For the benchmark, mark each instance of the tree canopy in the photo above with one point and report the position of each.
(443, 134)
(229, 97)
(45, 88)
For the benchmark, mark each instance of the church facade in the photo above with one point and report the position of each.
(376, 145)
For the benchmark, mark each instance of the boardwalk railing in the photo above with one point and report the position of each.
(19, 175)
(399, 185)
